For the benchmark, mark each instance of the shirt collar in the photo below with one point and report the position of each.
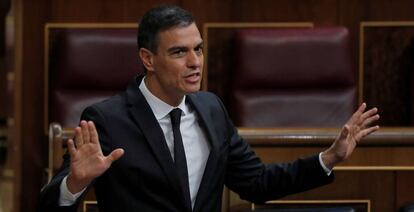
(159, 107)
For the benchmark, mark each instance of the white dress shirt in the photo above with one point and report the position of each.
(195, 142)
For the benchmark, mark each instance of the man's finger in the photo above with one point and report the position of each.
(370, 120)
(71, 148)
(355, 118)
(93, 133)
(78, 137)
(366, 132)
(362, 107)
(85, 132)
(369, 113)
(115, 155)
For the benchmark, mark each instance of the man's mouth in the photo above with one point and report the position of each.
(193, 78)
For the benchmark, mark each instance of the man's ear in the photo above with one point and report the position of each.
(147, 58)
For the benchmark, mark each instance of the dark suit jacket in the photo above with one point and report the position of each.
(144, 179)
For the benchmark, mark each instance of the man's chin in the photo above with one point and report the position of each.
(193, 89)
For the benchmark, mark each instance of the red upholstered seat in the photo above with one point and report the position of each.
(88, 65)
(293, 78)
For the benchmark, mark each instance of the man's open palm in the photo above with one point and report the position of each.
(87, 159)
(357, 127)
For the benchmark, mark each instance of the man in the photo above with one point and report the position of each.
(170, 147)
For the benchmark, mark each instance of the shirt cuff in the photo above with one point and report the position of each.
(328, 171)
(66, 197)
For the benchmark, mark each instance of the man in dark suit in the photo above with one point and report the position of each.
(170, 147)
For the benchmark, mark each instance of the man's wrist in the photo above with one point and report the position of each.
(67, 198)
(326, 169)
(74, 185)
(329, 160)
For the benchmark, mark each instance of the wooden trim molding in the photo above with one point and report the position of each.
(87, 203)
(386, 136)
(317, 202)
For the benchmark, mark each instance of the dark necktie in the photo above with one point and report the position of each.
(179, 154)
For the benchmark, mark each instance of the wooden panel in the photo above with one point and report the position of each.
(101, 10)
(375, 186)
(354, 11)
(322, 11)
(404, 188)
(133, 9)
(387, 51)
(402, 10)
(356, 205)
(378, 187)
(4, 8)
(397, 158)
(325, 13)
(3, 94)
(33, 151)
(3, 148)
(203, 12)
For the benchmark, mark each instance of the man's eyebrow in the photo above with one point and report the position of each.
(200, 44)
(183, 48)
(175, 48)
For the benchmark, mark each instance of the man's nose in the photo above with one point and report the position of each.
(194, 59)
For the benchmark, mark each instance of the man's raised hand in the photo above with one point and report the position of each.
(87, 161)
(357, 127)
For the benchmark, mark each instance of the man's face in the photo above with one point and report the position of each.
(177, 66)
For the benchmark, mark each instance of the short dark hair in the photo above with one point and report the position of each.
(158, 19)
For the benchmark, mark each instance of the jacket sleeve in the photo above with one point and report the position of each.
(50, 194)
(257, 182)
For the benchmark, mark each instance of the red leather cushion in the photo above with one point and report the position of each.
(69, 105)
(94, 58)
(293, 108)
(293, 58)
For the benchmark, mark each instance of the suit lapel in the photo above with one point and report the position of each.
(206, 123)
(145, 118)
(205, 120)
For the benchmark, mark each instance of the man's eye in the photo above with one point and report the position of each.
(178, 53)
(199, 50)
